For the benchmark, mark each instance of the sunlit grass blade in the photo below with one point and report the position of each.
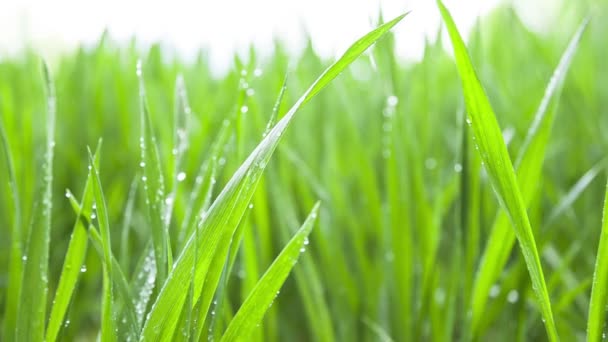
(528, 171)
(118, 278)
(599, 291)
(15, 268)
(226, 212)
(494, 154)
(261, 297)
(74, 259)
(108, 322)
(33, 296)
(153, 185)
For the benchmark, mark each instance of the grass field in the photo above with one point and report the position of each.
(294, 199)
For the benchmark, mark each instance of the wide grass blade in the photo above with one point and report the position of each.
(528, 170)
(263, 294)
(226, 212)
(74, 259)
(599, 291)
(33, 297)
(494, 155)
(15, 268)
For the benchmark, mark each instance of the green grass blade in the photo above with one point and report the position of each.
(108, 331)
(495, 157)
(226, 212)
(599, 291)
(33, 297)
(263, 294)
(529, 167)
(74, 260)
(15, 268)
(153, 185)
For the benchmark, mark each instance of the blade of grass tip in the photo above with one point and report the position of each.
(74, 259)
(495, 157)
(277, 106)
(153, 184)
(15, 268)
(33, 297)
(529, 167)
(599, 291)
(107, 314)
(227, 210)
(263, 294)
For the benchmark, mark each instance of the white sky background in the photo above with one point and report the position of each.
(223, 26)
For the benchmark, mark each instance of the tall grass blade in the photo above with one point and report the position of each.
(494, 155)
(529, 167)
(153, 185)
(74, 259)
(34, 290)
(263, 294)
(15, 268)
(599, 291)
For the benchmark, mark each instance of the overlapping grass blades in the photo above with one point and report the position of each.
(225, 213)
(489, 141)
(528, 168)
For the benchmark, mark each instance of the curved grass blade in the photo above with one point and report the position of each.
(529, 167)
(74, 259)
(265, 291)
(599, 291)
(34, 290)
(227, 210)
(495, 157)
(15, 268)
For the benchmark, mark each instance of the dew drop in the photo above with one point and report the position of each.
(68, 194)
(250, 92)
(494, 291)
(142, 164)
(257, 72)
(306, 241)
(392, 100)
(250, 205)
(244, 109)
(513, 296)
(181, 176)
(144, 178)
(83, 268)
(138, 68)
(458, 168)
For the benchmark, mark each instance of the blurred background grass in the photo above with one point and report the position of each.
(337, 152)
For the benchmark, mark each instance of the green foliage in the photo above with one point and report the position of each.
(194, 228)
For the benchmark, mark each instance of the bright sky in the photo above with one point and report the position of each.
(222, 25)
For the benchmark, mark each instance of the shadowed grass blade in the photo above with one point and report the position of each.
(599, 291)
(529, 167)
(34, 290)
(226, 212)
(263, 294)
(495, 157)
